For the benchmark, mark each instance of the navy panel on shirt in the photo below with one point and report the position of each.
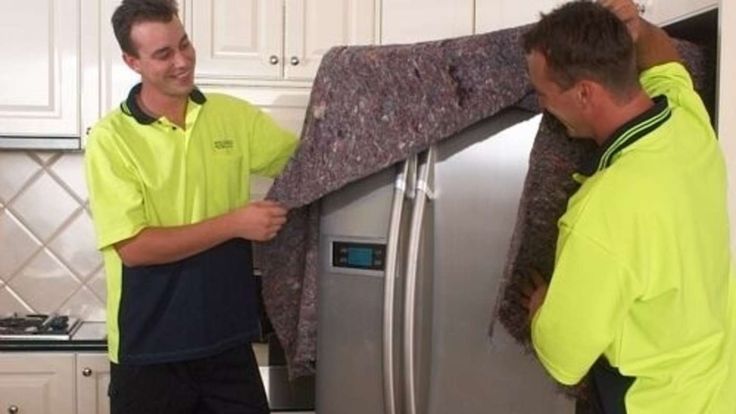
(191, 308)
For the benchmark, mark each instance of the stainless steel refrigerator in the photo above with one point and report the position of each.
(410, 267)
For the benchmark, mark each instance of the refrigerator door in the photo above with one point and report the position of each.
(362, 232)
(479, 177)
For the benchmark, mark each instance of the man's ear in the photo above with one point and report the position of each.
(584, 93)
(589, 94)
(132, 62)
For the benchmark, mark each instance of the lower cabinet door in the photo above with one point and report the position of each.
(93, 378)
(37, 383)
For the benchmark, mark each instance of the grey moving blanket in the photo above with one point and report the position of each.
(373, 106)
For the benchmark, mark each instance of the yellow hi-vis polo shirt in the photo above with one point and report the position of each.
(146, 172)
(642, 272)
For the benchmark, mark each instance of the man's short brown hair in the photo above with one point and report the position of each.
(131, 12)
(584, 40)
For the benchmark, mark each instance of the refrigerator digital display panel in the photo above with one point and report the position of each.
(358, 255)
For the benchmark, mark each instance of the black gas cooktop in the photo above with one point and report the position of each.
(37, 327)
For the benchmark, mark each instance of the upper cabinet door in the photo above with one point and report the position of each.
(663, 12)
(313, 27)
(491, 15)
(39, 81)
(237, 39)
(408, 21)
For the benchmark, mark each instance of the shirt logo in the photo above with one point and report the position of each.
(224, 145)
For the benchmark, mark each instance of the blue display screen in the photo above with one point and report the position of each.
(360, 256)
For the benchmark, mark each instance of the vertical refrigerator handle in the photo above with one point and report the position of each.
(404, 188)
(424, 192)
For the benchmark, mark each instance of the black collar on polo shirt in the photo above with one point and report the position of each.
(130, 106)
(627, 134)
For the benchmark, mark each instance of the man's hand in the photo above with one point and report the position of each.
(259, 220)
(628, 12)
(653, 45)
(533, 292)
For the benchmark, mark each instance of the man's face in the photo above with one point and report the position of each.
(166, 57)
(563, 104)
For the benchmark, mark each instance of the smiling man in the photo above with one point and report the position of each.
(168, 176)
(642, 294)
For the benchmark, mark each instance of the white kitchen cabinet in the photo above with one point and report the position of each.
(93, 378)
(54, 383)
(491, 15)
(243, 42)
(408, 21)
(39, 82)
(499, 14)
(663, 12)
(286, 104)
(38, 383)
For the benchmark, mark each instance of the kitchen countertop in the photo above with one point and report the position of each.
(91, 336)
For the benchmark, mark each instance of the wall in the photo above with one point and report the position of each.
(48, 260)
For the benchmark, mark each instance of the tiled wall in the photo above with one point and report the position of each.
(48, 259)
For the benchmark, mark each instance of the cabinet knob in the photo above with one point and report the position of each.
(88, 130)
(274, 60)
(294, 61)
(87, 372)
(642, 7)
(13, 409)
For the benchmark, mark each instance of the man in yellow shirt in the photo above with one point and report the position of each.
(641, 296)
(168, 176)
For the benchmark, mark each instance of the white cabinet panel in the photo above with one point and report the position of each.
(408, 21)
(313, 27)
(116, 78)
(106, 79)
(727, 101)
(39, 384)
(93, 378)
(493, 15)
(237, 39)
(663, 12)
(499, 14)
(287, 105)
(39, 82)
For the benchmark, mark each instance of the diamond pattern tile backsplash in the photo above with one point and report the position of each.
(48, 259)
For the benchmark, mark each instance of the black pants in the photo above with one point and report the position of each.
(227, 383)
(610, 387)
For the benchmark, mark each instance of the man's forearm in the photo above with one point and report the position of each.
(159, 245)
(654, 47)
